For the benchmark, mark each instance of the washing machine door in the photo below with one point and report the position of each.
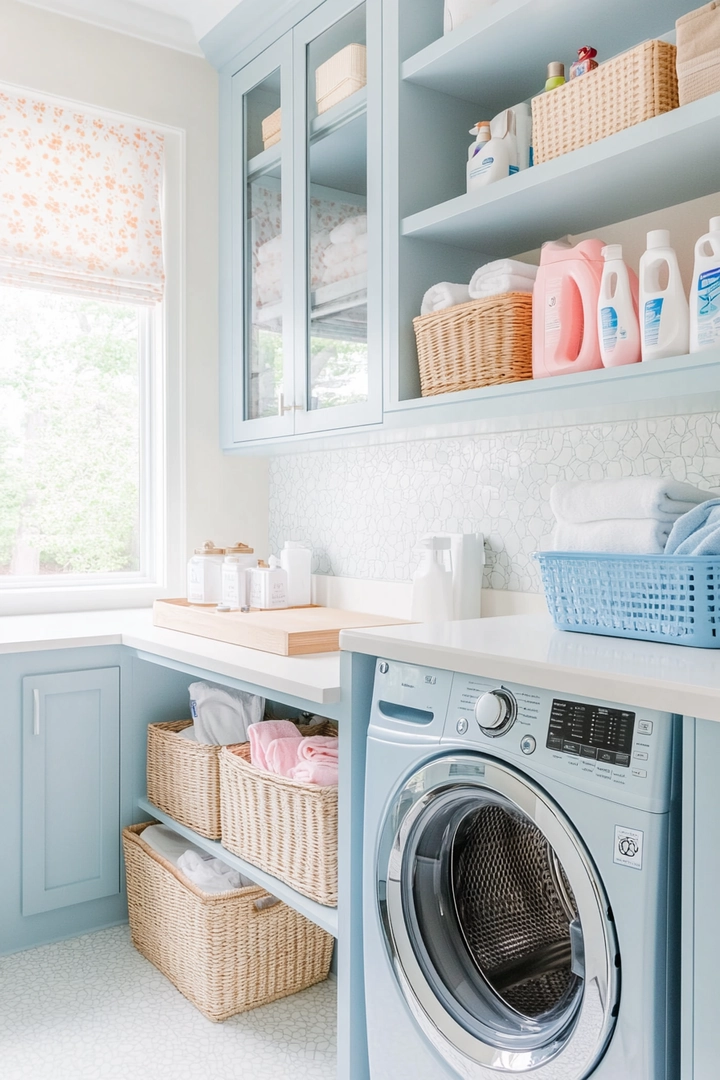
(497, 924)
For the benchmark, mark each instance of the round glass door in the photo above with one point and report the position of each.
(497, 924)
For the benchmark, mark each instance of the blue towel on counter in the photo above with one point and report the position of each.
(697, 532)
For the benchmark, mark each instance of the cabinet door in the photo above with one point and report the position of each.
(71, 788)
(262, 344)
(338, 374)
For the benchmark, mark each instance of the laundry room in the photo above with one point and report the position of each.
(359, 539)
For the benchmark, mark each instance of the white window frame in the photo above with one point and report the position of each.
(161, 357)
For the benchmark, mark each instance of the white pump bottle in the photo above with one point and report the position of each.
(432, 596)
(705, 292)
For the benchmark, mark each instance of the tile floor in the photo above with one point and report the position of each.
(93, 1009)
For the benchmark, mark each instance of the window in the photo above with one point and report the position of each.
(90, 454)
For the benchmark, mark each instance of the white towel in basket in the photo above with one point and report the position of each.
(223, 716)
(444, 295)
(617, 537)
(656, 497)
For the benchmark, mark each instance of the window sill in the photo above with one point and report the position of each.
(57, 599)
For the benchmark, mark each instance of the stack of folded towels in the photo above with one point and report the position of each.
(276, 746)
(493, 279)
(631, 516)
(268, 271)
(346, 254)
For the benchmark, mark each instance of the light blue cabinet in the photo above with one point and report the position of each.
(71, 788)
(301, 338)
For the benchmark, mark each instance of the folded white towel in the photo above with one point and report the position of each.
(459, 11)
(505, 283)
(271, 250)
(222, 716)
(502, 275)
(625, 536)
(444, 295)
(658, 498)
(350, 268)
(188, 733)
(347, 230)
(210, 874)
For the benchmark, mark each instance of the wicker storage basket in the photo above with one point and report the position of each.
(272, 129)
(476, 344)
(281, 826)
(340, 76)
(219, 950)
(622, 92)
(183, 778)
(698, 53)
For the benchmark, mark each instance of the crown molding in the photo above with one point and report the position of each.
(126, 17)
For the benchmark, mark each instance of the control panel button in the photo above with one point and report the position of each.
(461, 726)
(639, 772)
(528, 744)
(640, 755)
(495, 712)
(645, 727)
(383, 667)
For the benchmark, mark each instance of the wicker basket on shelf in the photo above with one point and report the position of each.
(183, 778)
(286, 828)
(272, 129)
(480, 343)
(618, 94)
(340, 76)
(221, 951)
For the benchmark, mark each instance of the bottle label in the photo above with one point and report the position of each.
(514, 169)
(651, 320)
(552, 311)
(708, 311)
(483, 166)
(609, 324)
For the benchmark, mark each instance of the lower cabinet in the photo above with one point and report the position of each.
(71, 788)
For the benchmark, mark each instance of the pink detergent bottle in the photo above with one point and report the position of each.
(565, 301)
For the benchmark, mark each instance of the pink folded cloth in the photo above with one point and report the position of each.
(281, 756)
(317, 761)
(262, 734)
(309, 772)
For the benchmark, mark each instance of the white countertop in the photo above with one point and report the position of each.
(313, 678)
(527, 649)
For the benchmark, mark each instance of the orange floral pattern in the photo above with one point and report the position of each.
(80, 200)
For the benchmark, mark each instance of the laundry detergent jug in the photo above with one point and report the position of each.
(565, 301)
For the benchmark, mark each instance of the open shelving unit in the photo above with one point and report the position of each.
(325, 917)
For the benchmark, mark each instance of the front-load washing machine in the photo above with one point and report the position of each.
(520, 903)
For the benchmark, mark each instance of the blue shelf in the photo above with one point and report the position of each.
(325, 917)
(500, 56)
(617, 178)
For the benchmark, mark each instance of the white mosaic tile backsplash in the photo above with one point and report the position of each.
(362, 509)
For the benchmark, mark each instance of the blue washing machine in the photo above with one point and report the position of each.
(521, 882)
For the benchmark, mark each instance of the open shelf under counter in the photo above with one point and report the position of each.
(599, 392)
(500, 56)
(626, 175)
(325, 917)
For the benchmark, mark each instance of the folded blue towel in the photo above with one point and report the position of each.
(697, 532)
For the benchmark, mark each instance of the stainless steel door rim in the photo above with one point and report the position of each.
(494, 1039)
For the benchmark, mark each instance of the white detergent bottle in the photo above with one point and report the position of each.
(618, 326)
(499, 157)
(481, 131)
(664, 311)
(705, 292)
(432, 595)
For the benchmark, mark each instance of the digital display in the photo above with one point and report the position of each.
(592, 732)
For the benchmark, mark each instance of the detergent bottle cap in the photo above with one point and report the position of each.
(612, 252)
(555, 70)
(658, 238)
(715, 224)
(587, 53)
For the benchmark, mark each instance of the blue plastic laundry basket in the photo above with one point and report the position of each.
(650, 597)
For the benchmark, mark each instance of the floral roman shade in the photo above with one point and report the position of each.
(80, 200)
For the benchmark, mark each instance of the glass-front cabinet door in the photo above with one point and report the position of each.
(263, 334)
(338, 218)
(306, 290)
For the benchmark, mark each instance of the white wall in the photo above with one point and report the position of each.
(227, 498)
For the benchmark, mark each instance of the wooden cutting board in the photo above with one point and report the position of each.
(287, 632)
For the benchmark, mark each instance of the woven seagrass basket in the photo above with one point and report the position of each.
(286, 828)
(221, 952)
(618, 94)
(480, 343)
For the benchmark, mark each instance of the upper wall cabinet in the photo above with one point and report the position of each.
(301, 311)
